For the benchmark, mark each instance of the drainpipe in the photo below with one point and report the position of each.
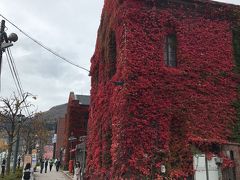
(206, 163)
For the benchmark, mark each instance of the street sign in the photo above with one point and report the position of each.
(34, 151)
(163, 169)
(27, 159)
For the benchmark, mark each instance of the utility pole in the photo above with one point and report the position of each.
(16, 150)
(4, 42)
(1, 41)
(20, 116)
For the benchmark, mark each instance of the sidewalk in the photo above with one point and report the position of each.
(53, 175)
(68, 174)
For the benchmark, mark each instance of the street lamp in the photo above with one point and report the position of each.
(36, 148)
(82, 140)
(5, 41)
(61, 153)
(54, 141)
(19, 118)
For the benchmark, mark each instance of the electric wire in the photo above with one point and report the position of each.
(14, 67)
(44, 46)
(16, 78)
(14, 71)
(11, 70)
(16, 82)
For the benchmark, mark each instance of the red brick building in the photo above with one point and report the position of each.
(60, 141)
(232, 151)
(164, 87)
(73, 125)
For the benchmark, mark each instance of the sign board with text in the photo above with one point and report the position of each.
(27, 159)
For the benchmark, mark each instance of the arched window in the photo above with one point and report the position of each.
(170, 55)
(112, 54)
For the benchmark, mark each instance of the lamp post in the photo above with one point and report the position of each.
(54, 141)
(61, 154)
(19, 118)
(82, 139)
(37, 148)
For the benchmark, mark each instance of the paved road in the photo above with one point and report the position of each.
(53, 175)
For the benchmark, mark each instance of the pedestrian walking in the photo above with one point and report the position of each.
(42, 165)
(77, 171)
(46, 165)
(27, 172)
(58, 163)
(3, 167)
(50, 164)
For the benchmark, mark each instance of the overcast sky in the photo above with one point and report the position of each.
(69, 27)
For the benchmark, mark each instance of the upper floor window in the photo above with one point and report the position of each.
(170, 55)
(95, 75)
(112, 56)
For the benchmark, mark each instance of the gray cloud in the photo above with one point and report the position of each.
(66, 26)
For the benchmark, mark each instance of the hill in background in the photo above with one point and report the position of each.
(53, 114)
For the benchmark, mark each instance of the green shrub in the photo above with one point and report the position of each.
(12, 176)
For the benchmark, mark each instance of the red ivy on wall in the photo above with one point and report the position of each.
(156, 115)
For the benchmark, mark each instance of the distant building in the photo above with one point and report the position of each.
(73, 127)
(48, 152)
(165, 93)
(60, 138)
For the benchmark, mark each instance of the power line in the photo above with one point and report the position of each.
(44, 46)
(14, 70)
(16, 78)
(11, 70)
(17, 81)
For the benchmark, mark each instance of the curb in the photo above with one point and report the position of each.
(66, 173)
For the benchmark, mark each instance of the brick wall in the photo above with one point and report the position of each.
(74, 123)
(235, 148)
(143, 111)
(60, 136)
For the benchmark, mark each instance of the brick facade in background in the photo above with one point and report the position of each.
(60, 139)
(74, 124)
(162, 85)
(48, 152)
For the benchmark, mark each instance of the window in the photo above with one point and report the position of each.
(231, 155)
(95, 75)
(85, 121)
(170, 50)
(112, 54)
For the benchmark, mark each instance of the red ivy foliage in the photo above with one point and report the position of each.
(158, 111)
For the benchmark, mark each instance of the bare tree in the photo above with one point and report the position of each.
(10, 108)
(35, 132)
